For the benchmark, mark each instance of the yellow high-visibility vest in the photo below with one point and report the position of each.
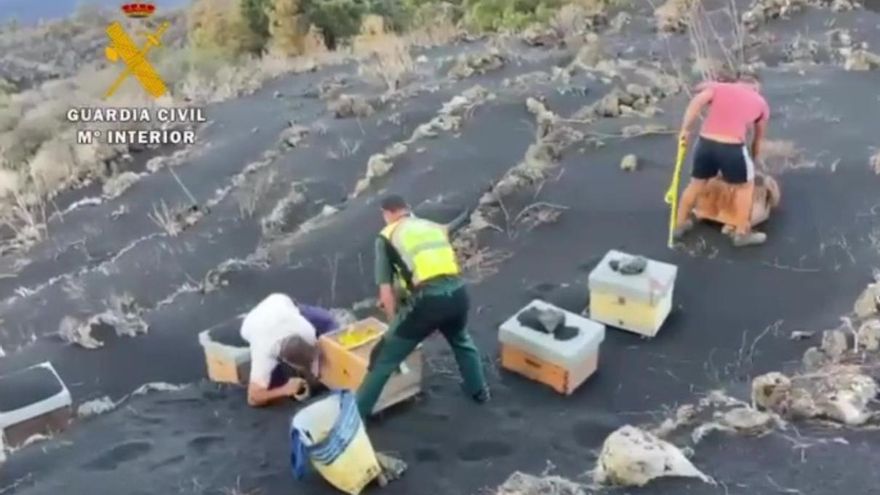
(424, 248)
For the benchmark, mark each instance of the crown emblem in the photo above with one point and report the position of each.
(138, 10)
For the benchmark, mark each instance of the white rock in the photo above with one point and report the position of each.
(834, 344)
(95, 407)
(866, 304)
(633, 457)
(869, 335)
(848, 401)
(747, 420)
(525, 484)
(814, 359)
(770, 390)
(629, 163)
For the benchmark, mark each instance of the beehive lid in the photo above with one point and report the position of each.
(566, 353)
(363, 324)
(649, 286)
(207, 339)
(31, 392)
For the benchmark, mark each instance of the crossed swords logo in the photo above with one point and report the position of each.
(135, 59)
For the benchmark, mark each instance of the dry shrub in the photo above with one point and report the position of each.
(779, 155)
(287, 28)
(219, 25)
(672, 16)
(52, 166)
(875, 162)
(434, 25)
(709, 45)
(570, 20)
(37, 125)
(9, 184)
(386, 55)
(314, 42)
(244, 76)
(26, 218)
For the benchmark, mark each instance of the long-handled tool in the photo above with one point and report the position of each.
(672, 193)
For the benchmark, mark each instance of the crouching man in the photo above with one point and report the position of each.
(283, 342)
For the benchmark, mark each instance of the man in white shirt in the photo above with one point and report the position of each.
(281, 340)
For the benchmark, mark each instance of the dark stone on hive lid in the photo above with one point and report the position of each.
(542, 320)
(23, 388)
(229, 334)
(564, 333)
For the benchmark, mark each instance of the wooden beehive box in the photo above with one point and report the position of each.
(227, 355)
(638, 303)
(716, 203)
(561, 364)
(33, 401)
(342, 368)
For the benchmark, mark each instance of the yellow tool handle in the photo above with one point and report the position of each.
(671, 197)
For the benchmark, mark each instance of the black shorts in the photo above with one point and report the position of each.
(731, 159)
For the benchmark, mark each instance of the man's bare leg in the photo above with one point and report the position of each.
(743, 197)
(683, 222)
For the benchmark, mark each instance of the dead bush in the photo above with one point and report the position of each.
(314, 42)
(9, 183)
(36, 126)
(434, 24)
(385, 55)
(288, 28)
(716, 54)
(672, 16)
(778, 156)
(219, 26)
(52, 166)
(27, 220)
(574, 20)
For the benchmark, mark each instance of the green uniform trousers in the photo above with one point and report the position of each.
(440, 307)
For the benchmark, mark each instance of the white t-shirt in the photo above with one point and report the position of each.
(265, 326)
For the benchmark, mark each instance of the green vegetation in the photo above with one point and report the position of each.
(496, 15)
(259, 26)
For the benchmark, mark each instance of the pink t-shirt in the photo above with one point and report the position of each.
(734, 107)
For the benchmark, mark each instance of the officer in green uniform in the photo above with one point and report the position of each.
(418, 251)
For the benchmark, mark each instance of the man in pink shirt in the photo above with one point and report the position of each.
(733, 108)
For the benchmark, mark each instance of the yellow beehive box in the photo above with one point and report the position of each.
(227, 356)
(563, 365)
(638, 302)
(345, 355)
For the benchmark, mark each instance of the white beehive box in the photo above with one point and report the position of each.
(638, 303)
(562, 364)
(33, 401)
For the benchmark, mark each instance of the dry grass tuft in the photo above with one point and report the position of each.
(778, 156)
(710, 46)
(26, 219)
(385, 55)
(252, 191)
(288, 29)
(176, 219)
(477, 263)
(434, 25)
